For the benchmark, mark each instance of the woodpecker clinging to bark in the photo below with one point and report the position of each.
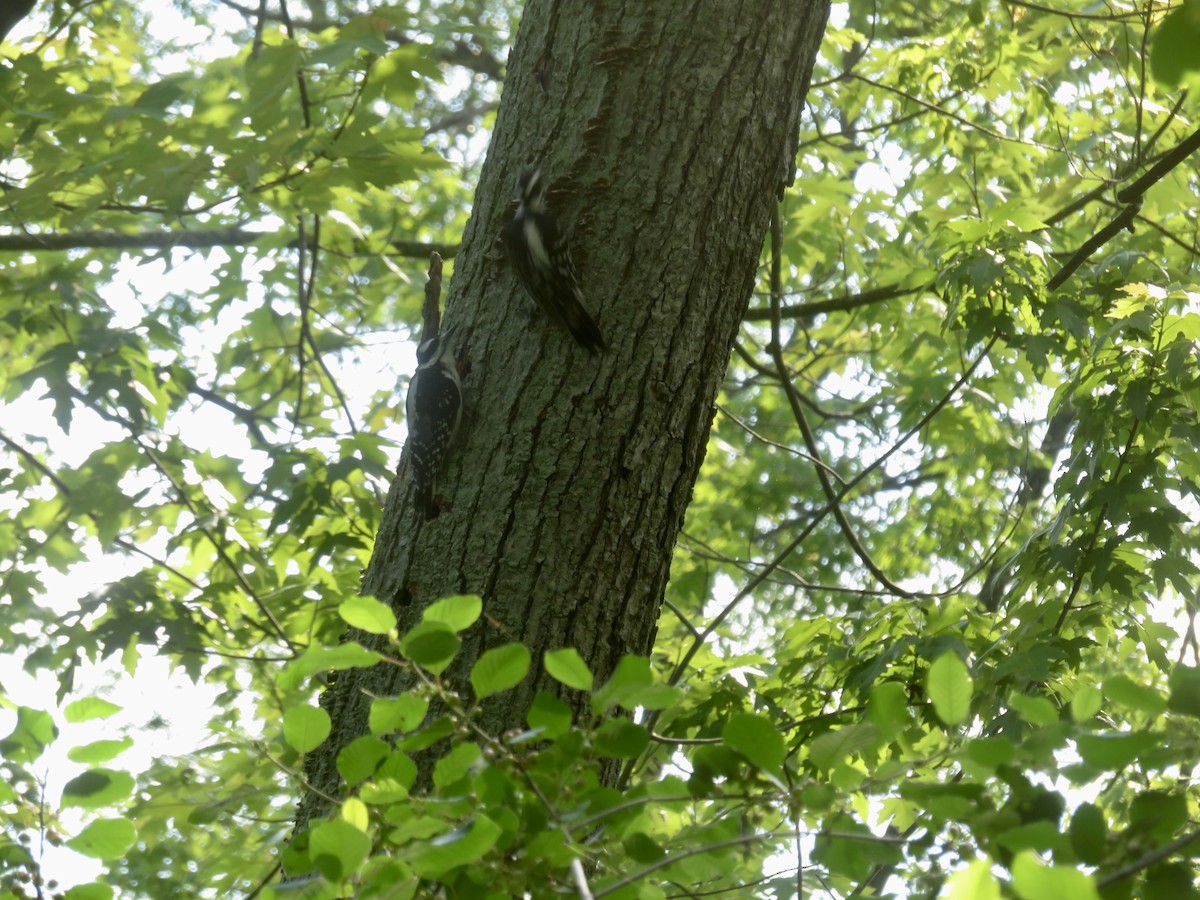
(538, 250)
(433, 408)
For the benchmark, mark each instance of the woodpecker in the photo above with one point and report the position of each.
(538, 250)
(433, 408)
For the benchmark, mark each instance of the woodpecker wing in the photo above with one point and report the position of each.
(434, 409)
(540, 254)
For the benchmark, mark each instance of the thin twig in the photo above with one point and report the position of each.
(810, 440)
(639, 874)
(1160, 169)
(1146, 860)
(302, 86)
(260, 23)
(819, 516)
(966, 123)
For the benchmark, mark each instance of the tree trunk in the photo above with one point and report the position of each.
(667, 130)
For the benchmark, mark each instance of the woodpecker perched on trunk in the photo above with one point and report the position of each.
(538, 250)
(433, 408)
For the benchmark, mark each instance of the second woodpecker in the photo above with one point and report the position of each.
(433, 408)
(538, 250)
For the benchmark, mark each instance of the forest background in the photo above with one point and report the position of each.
(930, 622)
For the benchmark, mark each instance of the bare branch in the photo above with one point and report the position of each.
(842, 303)
(431, 308)
(1122, 220)
(192, 240)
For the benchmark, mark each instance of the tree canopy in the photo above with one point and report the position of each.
(930, 627)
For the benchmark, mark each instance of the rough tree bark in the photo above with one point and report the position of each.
(667, 131)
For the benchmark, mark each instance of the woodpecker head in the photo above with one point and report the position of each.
(433, 351)
(531, 190)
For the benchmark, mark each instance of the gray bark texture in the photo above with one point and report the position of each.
(667, 131)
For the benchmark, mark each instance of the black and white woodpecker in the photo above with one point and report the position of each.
(433, 408)
(538, 250)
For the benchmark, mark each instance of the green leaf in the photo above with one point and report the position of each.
(992, 752)
(850, 850)
(550, 715)
(1158, 813)
(630, 678)
(1113, 751)
(270, 73)
(632, 686)
(96, 788)
(403, 713)
(1185, 691)
(949, 687)
(455, 849)
(457, 613)
(400, 768)
(758, 740)
(105, 839)
(34, 731)
(456, 764)
(947, 801)
(161, 94)
(99, 751)
(832, 747)
(360, 758)
(1173, 44)
(428, 735)
(431, 645)
(621, 738)
(91, 891)
(642, 848)
(1089, 832)
(499, 669)
(367, 614)
(1170, 881)
(89, 708)
(1086, 703)
(1141, 697)
(338, 848)
(567, 667)
(356, 813)
(1034, 881)
(1032, 709)
(305, 727)
(887, 708)
(975, 882)
(325, 659)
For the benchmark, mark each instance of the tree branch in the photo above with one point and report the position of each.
(835, 304)
(191, 240)
(1159, 170)
(1147, 860)
(1122, 220)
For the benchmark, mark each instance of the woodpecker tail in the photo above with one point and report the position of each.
(582, 326)
(425, 501)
